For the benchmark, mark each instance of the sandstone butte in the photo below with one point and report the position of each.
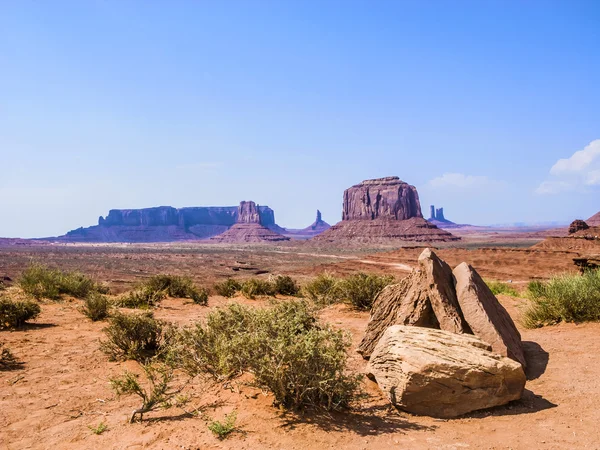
(249, 228)
(594, 221)
(383, 210)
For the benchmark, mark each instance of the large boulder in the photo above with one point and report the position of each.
(442, 374)
(426, 298)
(484, 314)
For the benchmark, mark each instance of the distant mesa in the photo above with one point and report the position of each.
(168, 224)
(249, 227)
(317, 227)
(383, 210)
(436, 217)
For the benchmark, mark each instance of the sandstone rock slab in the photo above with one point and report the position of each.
(484, 314)
(442, 374)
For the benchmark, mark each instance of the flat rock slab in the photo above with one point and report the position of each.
(442, 374)
(484, 314)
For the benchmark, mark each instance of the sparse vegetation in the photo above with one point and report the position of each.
(178, 287)
(498, 287)
(228, 288)
(298, 358)
(99, 429)
(135, 336)
(96, 307)
(14, 313)
(223, 429)
(142, 297)
(7, 359)
(255, 287)
(359, 290)
(40, 281)
(564, 298)
(159, 394)
(285, 285)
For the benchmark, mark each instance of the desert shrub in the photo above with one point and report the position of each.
(159, 394)
(323, 289)
(285, 285)
(178, 287)
(498, 287)
(7, 359)
(40, 281)
(135, 336)
(254, 287)
(142, 297)
(225, 428)
(361, 289)
(228, 288)
(99, 429)
(299, 359)
(564, 298)
(14, 313)
(96, 307)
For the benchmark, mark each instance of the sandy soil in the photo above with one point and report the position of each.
(62, 387)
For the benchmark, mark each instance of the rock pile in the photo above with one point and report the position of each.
(420, 343)
(382, 210)
(577, 225)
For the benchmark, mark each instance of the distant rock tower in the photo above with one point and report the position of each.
(437, 214)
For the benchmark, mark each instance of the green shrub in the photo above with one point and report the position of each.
(14, 313)
(228, 288)
(497, 287)
(7, 359)
(323, 290)
(564, 298)
(160, 392)
(285, 285)
(299, 359)
(142, 297)
(361, 289)
(99, 429)
(135, 336)
(178, 287)
(254, 287)
(40, 281)
(223, 429)
(96, 307)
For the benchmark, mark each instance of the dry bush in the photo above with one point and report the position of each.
(255, 287)
(178, 287)
(142, 297)
(14, 313)
(285, 285)
(40, 281)
(299, 359)
(96, 307)
(564, 298)
(323, 289)
(7, 359)
(227, 288)
(135, 336)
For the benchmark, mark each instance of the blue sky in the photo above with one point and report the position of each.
(124, 104)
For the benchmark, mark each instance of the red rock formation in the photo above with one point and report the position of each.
(577, 225)
(248, 227)
(382, 211)
(594, 221)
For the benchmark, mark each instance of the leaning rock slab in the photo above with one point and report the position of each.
(426, 298)
(486, 317)
(442, 374)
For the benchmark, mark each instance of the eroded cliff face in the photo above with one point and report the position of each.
(381, 198)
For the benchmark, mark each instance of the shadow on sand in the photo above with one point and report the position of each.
(537, 359)
(370, 421)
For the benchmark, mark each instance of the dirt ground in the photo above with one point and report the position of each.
(61, 389)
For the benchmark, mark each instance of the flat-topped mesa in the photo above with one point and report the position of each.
(381, 198)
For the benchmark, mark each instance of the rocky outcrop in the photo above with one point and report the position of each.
(381, 198)
(442, 374)
(578, 225)
(317, 227)
(486, 317)
(426, 298)
(165, 223)
(382, 211)
(249, 228)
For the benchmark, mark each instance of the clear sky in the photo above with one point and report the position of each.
(490, 108)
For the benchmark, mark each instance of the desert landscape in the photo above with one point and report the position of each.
(58, 382)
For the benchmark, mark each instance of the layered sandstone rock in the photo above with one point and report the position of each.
(594, 221)
(577, 225)
(442, 374)
(484, 314)
(382, 211)
(165, 223)
(426, 298)
(249, 228)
